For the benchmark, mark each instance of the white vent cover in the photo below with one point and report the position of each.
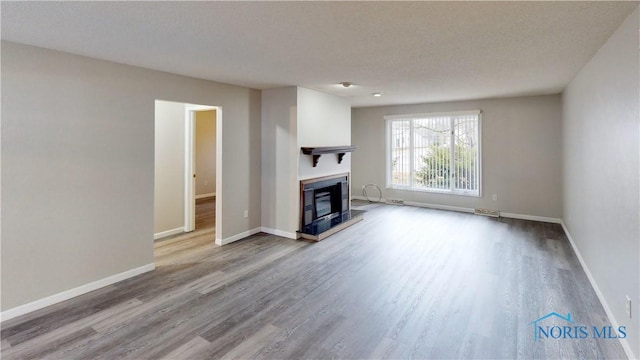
(487, 212)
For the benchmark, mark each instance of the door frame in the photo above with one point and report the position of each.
(189, 166)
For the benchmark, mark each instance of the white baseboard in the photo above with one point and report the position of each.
(358, 197)
(532, 218)
(280, 233)
(470, 210)
(594, 285)
(171, 232)
(202, 196)
(71, 293)
(237, 237)
(439, 207)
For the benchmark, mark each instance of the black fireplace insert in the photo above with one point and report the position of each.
(325, 203)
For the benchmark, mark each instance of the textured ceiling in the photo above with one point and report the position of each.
(411, 51)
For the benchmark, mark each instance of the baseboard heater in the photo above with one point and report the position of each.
(487, 212)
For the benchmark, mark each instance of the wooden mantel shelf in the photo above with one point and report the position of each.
(318, 151)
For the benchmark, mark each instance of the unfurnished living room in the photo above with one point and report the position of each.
(320, 180)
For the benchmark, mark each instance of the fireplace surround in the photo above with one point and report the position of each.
(324, 206)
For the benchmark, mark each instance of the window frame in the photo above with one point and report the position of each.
(389, 119)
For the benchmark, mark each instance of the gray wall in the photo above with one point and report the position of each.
(169, 166)
(521, 147)
(279, 159)
(78, 166)
(601, 166)
(323, 120)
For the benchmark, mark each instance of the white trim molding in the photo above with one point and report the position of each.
(237, 237)
(166, 233)
(281, 233)
(532, 218)
(594, 285)
(71, 293)
(207, 195)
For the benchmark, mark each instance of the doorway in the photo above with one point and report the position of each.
(205, 168)
(203, 185)
(187, 170)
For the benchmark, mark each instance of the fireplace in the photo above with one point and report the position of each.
(324, 205)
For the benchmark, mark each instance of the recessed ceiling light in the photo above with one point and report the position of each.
(346, 84)
(377, 94)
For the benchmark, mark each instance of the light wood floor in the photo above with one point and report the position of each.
(205, 213)
(404, 283)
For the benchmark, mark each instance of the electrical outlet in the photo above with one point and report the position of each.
(246, 213)
(494, 197)
(628, 307)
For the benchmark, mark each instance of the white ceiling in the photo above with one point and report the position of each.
(411, 51)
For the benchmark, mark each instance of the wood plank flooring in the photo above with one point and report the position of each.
(404, 283)
(205, 213)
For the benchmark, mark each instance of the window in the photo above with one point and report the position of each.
(435, 152)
